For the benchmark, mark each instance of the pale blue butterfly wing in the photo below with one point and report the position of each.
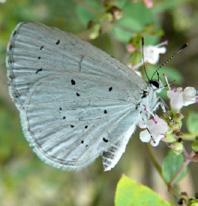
(75, 101)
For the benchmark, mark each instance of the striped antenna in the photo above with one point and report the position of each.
(170, 58)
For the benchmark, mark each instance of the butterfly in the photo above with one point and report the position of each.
(76, 102)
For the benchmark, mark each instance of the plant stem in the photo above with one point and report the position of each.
(182, 167)
(188, 159)
(159, 170)
(154, 161)
(188, 137)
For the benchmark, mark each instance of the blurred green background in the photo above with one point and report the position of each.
(24, 179)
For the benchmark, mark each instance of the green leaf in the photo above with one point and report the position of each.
(131, 193)
(121, 35)
(131, 24)
(170, 166)
(138, 12)
(135, 17)
(150, 39)
(192, 122)
(84, 15)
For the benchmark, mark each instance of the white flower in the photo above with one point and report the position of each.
(189, 96)
(176, 98)
(2, 1)
(179, 97)
(152, 53)
(157, 126)
(145, 136)
(155, 130)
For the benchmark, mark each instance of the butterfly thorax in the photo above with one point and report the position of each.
(149, 102)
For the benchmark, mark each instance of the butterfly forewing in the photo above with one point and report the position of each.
(75, 101)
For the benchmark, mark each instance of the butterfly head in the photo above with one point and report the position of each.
(154, 84)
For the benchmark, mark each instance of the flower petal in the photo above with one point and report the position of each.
(145, 136)
(157, 126)
(176, 98)
(152, 53)
(189, 96)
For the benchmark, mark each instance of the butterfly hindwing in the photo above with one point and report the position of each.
(70, 131)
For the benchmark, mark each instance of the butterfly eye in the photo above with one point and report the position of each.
(154, 83)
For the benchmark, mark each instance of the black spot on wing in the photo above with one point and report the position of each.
(82, 141)
(10, 47)
(72, 126)
(64, 117)
(86, 126)
(57, 42)
(77, 94)
(42, 47)
(73, 82)
(60, 109)
(10, 60)
(105, 111)
(105, 140)
(38, 70)
(39, 57)
(11, 76)
(110, 89)
(17, 95)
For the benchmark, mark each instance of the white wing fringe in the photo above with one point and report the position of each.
(114, 153)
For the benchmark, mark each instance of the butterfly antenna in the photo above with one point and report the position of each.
(166, 80)
(170, 58)
(144, 66)
(168, 84)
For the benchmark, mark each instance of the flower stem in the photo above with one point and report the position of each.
(159, 170)
(182, 167)
(188, 159)
(188, 137)
(155, 162)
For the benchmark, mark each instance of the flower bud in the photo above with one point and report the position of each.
(115, 12)
(177, 147)
(169, 137)
(95, 29)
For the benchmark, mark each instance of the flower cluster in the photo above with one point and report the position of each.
(156, 128)
(152, 53)
(180, 97)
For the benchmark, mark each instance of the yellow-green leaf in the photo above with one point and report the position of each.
(131, 193)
